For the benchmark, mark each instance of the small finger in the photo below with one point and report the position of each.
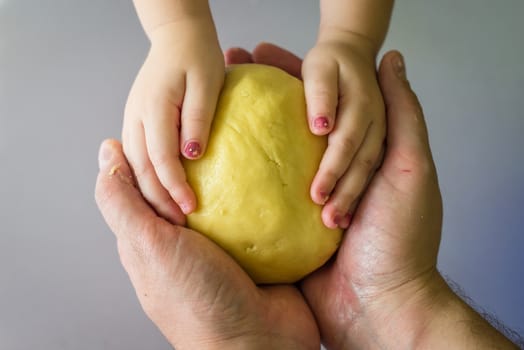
(198, 110)
(149, 184)
(321, 90)
(353, 183)
(407, 133)
(161, 134)
(343, 143)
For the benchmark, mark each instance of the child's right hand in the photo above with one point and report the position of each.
(169, 111)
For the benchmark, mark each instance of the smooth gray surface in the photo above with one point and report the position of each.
(65, 71)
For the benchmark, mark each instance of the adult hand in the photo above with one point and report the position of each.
(190, 288)
(385, 269)
(383, 290)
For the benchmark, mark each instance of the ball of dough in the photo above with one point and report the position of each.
(252, 184)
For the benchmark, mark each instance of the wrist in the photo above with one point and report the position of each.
(245, 342)
(399, 317)
(253, 343)
(155, 14)
(422, 314)
(364, 45)
(199, 28)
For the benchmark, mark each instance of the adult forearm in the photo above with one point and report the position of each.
(368, 19)
(425, 315)
(156, 13)
(455, 324)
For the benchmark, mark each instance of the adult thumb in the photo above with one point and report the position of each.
(407, 133)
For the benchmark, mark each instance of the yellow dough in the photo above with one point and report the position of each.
(252, 184)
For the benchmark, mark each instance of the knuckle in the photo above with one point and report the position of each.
(345, 144)
(156, 98)
(161, 158)
(366, 164)
(195, 116)
(331, 175)
(367, 99)
(141, 242)
(321, 93)
(147, 244)
(142, 170)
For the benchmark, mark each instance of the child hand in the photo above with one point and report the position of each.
(176, 91)
(344, 101)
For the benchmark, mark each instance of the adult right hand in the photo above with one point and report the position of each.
(385, 270)
(382, 290)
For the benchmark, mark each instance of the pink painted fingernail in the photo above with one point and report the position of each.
(192, 149)
(321, 123)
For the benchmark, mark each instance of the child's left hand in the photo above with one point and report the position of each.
(343, 100)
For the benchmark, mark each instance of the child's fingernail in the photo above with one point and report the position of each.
(345, 221)
(185, 208)
(324, 196)
(105, 154)
(321, 123)
(399, 66)
(337, 219)
(192, 149)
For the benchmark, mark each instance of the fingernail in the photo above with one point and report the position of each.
(321, 123)
(324, 196)
(185, 208)
(192, 149)
(399, 66)
(345, 221)
(337, 220)
(105, 154)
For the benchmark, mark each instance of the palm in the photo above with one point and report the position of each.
(192, 290)
(377, 251)
(217, 291)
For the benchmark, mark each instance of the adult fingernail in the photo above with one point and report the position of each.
(192, 149)
(399, 66)
(321, 123)
(105, 154)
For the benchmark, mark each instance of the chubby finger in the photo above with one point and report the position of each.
(273, 55)
(321, 90)
(237, 55)
(161, 133)
(198, 110)
(407, 133)
(343, 143)
(339, 209)
(152, 190)
(117, 197)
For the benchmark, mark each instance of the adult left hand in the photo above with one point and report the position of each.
(196, 294)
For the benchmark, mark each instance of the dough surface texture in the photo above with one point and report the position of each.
(252, 184)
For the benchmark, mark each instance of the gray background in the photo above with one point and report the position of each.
(65, 71)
